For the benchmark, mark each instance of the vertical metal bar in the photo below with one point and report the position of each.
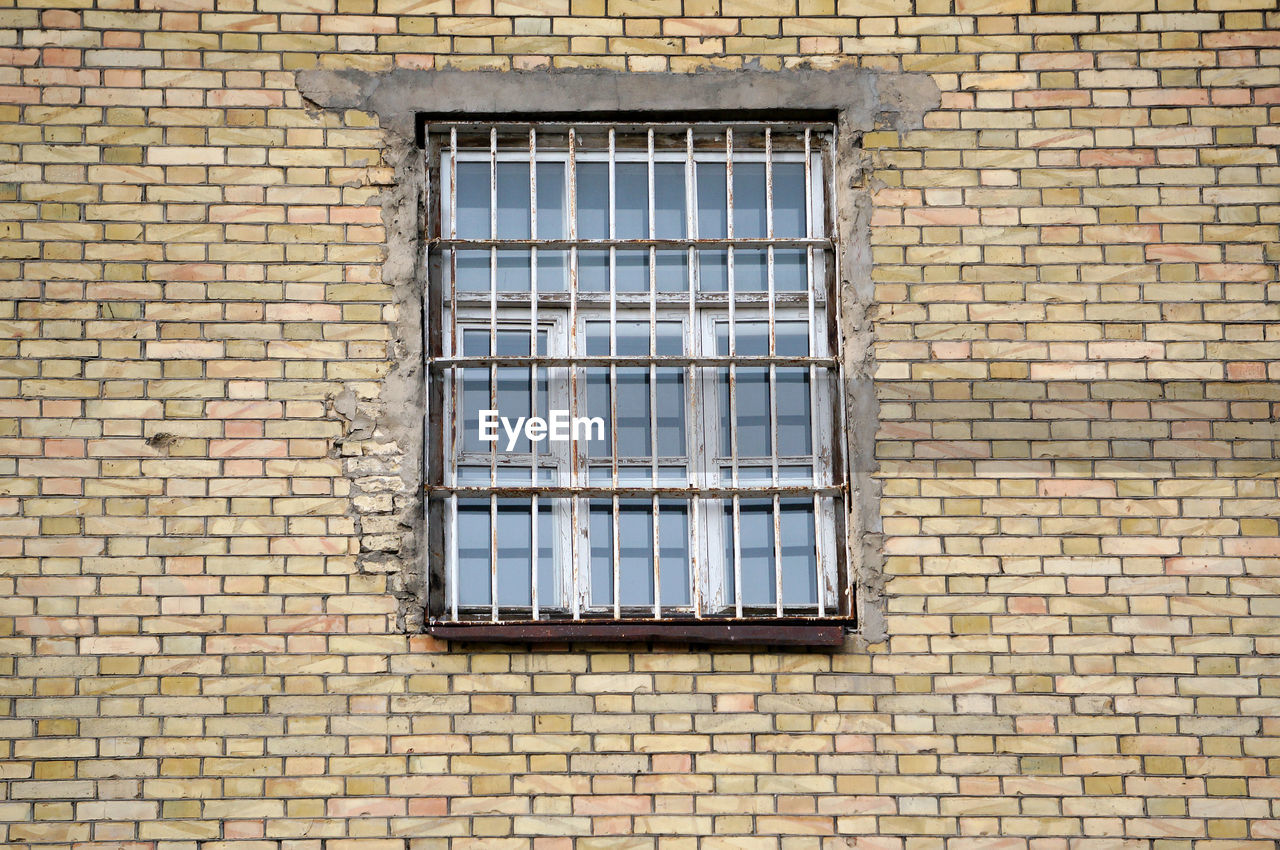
(691, 336)
(816, 469)
(454, 349)
(493, 369)
(533, 370)
(733, 376)
(773, 373)
(575, 531)
(613, 377)
(653, 391)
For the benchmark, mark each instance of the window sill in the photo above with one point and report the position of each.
(761, 632)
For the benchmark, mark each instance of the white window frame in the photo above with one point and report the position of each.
(564, 315)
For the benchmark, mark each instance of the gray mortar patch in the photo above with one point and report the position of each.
(390, 428)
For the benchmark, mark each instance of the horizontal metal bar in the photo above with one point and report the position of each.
(619, 360)
(770, 631)
(441, 126)
(437, 491)
(736, 242)
(638, 298)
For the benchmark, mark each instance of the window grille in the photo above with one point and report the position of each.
(666, 290)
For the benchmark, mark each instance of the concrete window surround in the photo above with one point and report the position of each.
(860, 100)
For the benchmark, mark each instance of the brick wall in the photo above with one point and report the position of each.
(1079, 345)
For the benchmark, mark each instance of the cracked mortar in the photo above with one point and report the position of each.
(384, 436)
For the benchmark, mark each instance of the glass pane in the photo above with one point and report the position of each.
(514, 538)
(751, 391)
(749, 200)
(713, 218)
(789, 218)
(472, 268)
(473, 553)
(473, 200)
(635, 546)
(513, 271)
(632, 401)
(669, 215)
(593, 200)
(673, 557)
(713, 270)
(631, 269)
(593, 271)
(513, 200)
(755, 535)
(750, 270)
(631, 194)
(673, 271)
(513, 397)
(789, 270)
(552, 201)
(795, 427)
(553, 270)
(799, 565)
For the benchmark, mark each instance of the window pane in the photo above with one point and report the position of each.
(750, 270)
(789, 270)
(473, 553)
(593, 271)
(713, 217)
(669, 215)
(633, 397)
(513, 563)
(673, 558)
(473, 200)
(472, 269)
(799, 566)
(593, 200)
(631, 188)
(513, 200)
(552, 201)
(635, 545)
(789, 218)
(755, 534)
(673, 271)
(513, 397)
(749, 200)
(713, 270)
(631, 270)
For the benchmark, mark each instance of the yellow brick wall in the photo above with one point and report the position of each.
(1078, 338)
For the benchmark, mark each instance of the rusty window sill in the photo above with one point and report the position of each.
(759, 632)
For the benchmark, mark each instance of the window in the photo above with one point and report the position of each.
(634, 410)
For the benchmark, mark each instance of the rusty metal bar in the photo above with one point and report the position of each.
(638, 244)
(533, 369)
(773, 373)
(733, 376)
(436, 491)
(626, 360)
(493, 369)
(454, 349)
(574, 508)
(653, 387)
(613, 378)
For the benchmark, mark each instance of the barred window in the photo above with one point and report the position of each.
(634, 412)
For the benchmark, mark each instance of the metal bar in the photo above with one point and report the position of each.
(613, 378)
(493, 369)
(773, 371)
(733, 375)
(817, 471)
(574, 520)
(653, 390)
(454, 349)
(691, 337)
(639, 299)
(626, 360)
(638, 244)
(634, 491)
(683, 126)
(533, 369)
